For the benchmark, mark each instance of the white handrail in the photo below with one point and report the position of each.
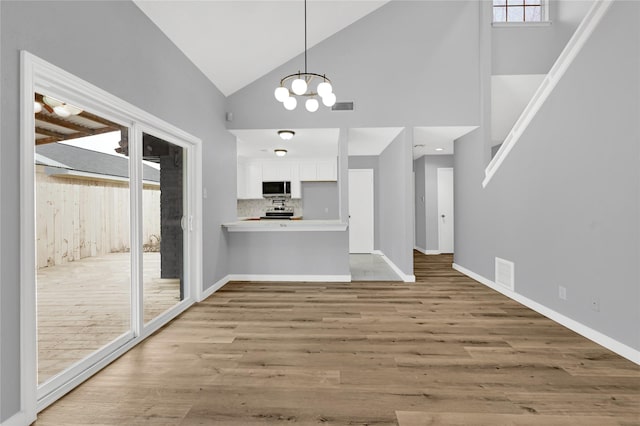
(569, 53)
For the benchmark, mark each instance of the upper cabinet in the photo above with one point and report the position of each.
(276, 171)
(251, 174)
(319, 170)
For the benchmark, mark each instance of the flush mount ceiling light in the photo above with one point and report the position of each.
(439, 149)
(286, 135)
(280, 152)
(60, 108)
(301, 84)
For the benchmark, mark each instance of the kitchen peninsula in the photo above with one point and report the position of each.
(276, 225)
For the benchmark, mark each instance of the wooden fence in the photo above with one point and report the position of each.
(78, 218)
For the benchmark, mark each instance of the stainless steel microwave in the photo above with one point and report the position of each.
(276, 189)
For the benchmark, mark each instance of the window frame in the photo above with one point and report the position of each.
(544, 16)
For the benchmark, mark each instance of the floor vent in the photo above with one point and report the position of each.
(505, 274)
(342, 106)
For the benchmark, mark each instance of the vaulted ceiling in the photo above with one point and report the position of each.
(236, 42)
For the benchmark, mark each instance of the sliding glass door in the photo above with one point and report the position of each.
(163, 229)
(83, 237)
(113, 213)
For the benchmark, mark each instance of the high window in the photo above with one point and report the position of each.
(519, 10)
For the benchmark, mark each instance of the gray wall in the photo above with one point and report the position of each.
(371, 162)
(289, 253)
(142, 67)
(432, 164)
(565, 204)
(396, 201)
(533, 50)
(320, 200)
(420, 203)
(406, 63)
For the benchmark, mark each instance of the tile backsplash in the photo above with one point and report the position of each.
(256, 208)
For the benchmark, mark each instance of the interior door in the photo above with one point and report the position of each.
(445, 210)
(360, 210)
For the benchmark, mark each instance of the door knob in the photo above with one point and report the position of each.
(442, 216)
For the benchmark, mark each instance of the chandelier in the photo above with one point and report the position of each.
(302, 85)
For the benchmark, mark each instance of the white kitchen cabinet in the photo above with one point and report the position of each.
(319, 170)
(254, 181)
(327, 170)
(242, 180)
(308, 171)
(296, 190)
(275, 172)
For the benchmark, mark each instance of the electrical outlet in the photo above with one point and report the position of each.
(204, 192)
(595, 305)
(562, 292)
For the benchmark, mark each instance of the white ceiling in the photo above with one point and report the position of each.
(236, 42)
(371, 141)
(307, 143)
(510, 94)
(427, 139)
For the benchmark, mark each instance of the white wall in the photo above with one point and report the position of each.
(534, 49)
(396, 201)
(114, 46)
(565, 204)
(407, 63)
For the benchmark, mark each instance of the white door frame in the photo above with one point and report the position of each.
(439, 172)
(39, 75)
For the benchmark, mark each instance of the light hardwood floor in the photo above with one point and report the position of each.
(83, 305)
(445, 350)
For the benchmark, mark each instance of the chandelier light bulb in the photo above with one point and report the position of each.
(281, 94)
(324, 88)
(290, 103)
(311, 104)
(37, 107)
(329, 100)
(299, 86)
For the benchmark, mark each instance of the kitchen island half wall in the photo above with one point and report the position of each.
(275, 250)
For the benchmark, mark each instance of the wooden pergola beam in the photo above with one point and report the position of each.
(63, 123)
(57, 137)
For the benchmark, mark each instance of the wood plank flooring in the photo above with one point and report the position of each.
(84, 305)
(442, 351)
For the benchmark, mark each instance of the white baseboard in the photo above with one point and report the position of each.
(18, 419)
(428, 252)
(301, 278)
(217, 286)
(406, 278)
(621, 349)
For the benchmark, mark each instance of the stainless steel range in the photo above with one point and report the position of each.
(278, 212)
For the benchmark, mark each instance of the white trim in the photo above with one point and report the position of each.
(405, 277)
(28, 344)
(427, 252)
(215, 287)
(289, 278)
(18, 419)
(521, 24)
(564, 61)
(39, 75)
(621, 349)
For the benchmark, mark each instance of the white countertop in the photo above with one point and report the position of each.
(276, 225)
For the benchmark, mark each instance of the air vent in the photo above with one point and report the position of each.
(505, 275)
(342, 106)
